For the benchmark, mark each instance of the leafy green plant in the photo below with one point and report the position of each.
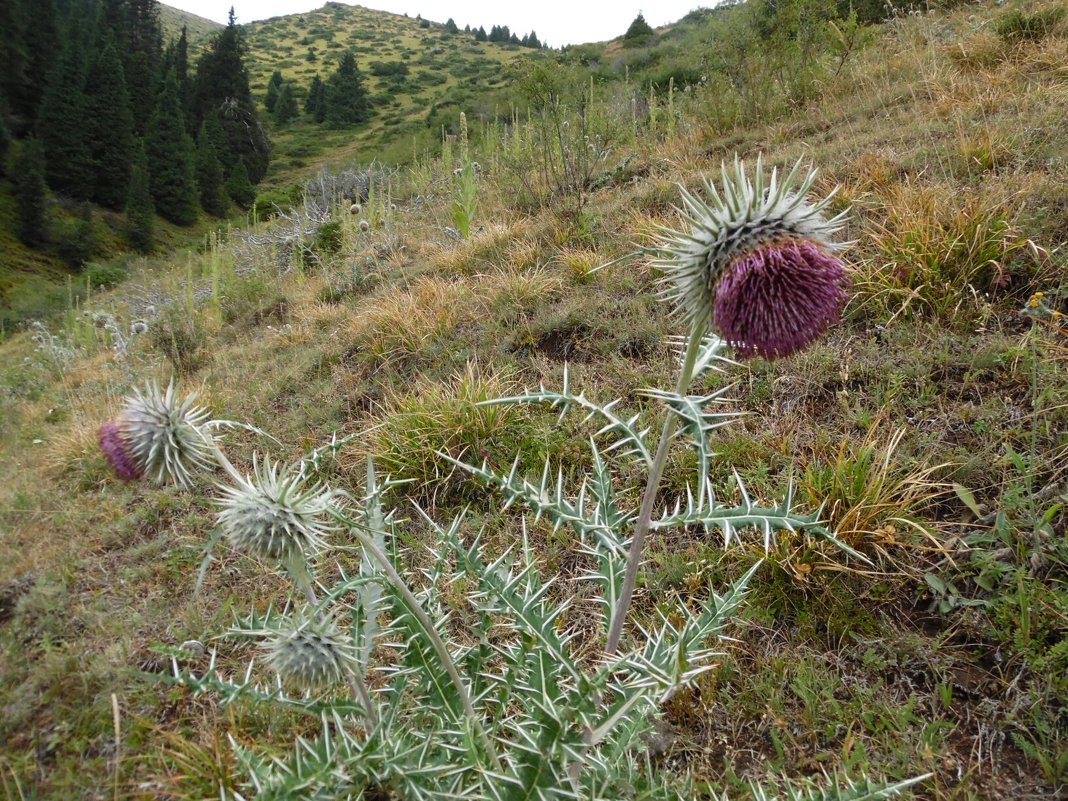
(465, 199)
(479, 676)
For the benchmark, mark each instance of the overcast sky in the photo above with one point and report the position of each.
(557, 22)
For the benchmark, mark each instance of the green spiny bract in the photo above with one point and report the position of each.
(275, 514)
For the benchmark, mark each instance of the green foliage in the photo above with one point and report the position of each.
(315, 103)
(171, 158)
(328, 238)
(178, 333)
(209, 175)
(273, 85)
(639, 34)
(5, 136)
(345, 96)
(63, 120)
(109, 131)
(239, 187)
(102, 275)
(140, 212)
(1023, 26)
(31, 195)
(79, 239)
(286, 108)
(222, 90)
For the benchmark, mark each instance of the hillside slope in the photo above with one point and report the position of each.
(419, 79)
(197, 28)
(928, 427)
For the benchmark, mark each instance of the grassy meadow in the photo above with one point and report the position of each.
(929, 425)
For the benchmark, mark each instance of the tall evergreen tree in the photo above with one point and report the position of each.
(5, 135)
(314, 103)
(346, 97)
(639, 33)
(27, 175)
(239, 187)
(39, 39)
(451, 27)
(181, 72)
(109, 128)
(209, 175)
(273, 85)
(286, 109)
(140, 214)
(62, 122)
(171, 158)
(222, 88)
(143, 57)
(480, 34)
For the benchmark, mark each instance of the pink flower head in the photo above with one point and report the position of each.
(117, 453)
(774, 300)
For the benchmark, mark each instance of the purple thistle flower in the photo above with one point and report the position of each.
(117, 452)
(776, 299)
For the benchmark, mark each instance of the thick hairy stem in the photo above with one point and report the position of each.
(645, 514)
(439, 645)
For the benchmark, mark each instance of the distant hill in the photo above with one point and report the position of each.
(196, 27)
(419, 75)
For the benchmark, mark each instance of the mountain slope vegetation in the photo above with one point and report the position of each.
(928, 428)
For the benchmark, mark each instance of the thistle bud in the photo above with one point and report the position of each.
(275, 514)
(311, 655)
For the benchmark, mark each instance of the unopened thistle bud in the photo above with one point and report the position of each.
(275, 514)
(365, 226)
(313, 654)
(757, 262)
(158, 435)
(354, 208)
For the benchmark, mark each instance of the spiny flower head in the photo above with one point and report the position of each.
(312, 654)
(743, 217)
(160, 435)
(275, 513)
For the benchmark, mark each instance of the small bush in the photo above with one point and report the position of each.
(102, 275)
(328, 238)
(180, 336)
(1020, 26)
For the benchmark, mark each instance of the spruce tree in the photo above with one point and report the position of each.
(480, 34)
(27, 175)
(315, 104)
(639, 33)
(39, 39)
(451, 27)
(181, 72)
(109, 128)
(286, 107)
(209, 175)
(240, 187)
(62, 122)
(140, 214)
(346, 97)
(171, 158)
(222, 88)
(143, 56)
(273, 86)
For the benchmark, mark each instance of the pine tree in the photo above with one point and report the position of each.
(143, 56)
(39, 40)
(450, 26)
(209, 175)
(480, 34)
(222, 88)
(109, 128)
(346, 97)
(639, 33)
(286, 107)
(239, 187)
(140, 214)
(532, 41)
(27, 175)
(171, 158)
(314, 103)
(62, 122)
(273, 86)
(513, 39)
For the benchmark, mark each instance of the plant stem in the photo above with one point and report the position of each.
(645, 514)
(435, 638)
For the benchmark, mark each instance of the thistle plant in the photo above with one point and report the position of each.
(476, 675)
